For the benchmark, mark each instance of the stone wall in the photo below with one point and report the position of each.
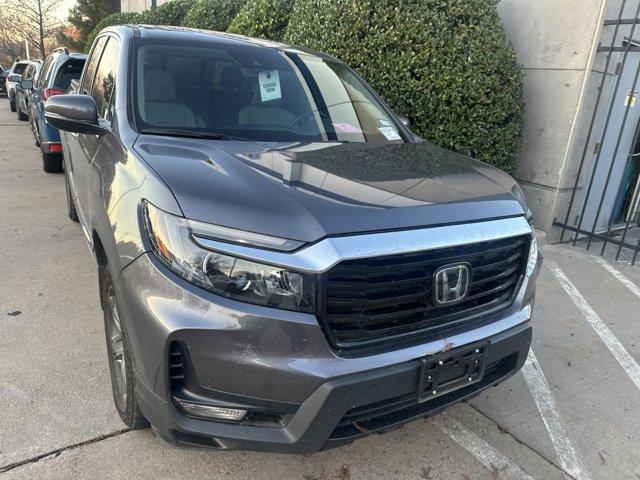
(556, 43)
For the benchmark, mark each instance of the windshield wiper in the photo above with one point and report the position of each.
(188, 133)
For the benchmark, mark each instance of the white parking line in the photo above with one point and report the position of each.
(563, 445)
(635, 289)
(484, 453)
(613, 344)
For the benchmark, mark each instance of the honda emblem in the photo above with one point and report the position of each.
(451, 283)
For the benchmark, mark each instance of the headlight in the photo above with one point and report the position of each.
(222, 274)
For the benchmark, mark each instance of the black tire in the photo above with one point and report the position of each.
(23, 117)
(119, 357)
(51, 162)
(12, 105)
(71, 208)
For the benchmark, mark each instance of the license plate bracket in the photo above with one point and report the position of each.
(440, 374)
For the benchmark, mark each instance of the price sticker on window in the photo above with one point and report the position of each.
(269, 85)
(389, 133)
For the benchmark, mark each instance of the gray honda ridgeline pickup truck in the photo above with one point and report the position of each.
(283, 264)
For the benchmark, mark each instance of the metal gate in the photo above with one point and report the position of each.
(604, 207)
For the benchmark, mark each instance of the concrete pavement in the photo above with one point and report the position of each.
(571, 413)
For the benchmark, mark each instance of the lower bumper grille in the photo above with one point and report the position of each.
(398, 410)
(377, 299)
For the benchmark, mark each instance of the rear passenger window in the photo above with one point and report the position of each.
(105, 79)
(70, 70)
(87, 79)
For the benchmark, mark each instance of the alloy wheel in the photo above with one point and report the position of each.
(116, 347)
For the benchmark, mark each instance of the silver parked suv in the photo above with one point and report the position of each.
(283, 265)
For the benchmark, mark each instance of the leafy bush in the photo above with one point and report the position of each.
(263, 19)
(447, 65)
(212, 14)
(121, 18)
(170, 13)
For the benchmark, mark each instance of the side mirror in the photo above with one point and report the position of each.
(403, 120)
(26, 84)
(14, 77)
(73, 113)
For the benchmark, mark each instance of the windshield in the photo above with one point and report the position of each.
(255, 93)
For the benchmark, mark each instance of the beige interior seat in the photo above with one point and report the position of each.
(161, 107)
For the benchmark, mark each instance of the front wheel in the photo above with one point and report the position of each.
(120, 367)
(12, 105)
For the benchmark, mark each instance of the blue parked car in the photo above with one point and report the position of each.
(59, 69)
(23, 95)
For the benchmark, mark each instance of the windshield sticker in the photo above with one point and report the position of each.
(389, 133)
(269, 85)
(384, 123)
(346, 128)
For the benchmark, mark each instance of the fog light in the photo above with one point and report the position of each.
(209, 411)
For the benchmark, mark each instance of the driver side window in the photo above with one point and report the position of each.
(90, 68)
(105, 79)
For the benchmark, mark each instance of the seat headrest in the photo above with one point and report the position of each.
(230, 78)
(159, 86)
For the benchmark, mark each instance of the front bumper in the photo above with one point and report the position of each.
(377, 401)
(253, 357)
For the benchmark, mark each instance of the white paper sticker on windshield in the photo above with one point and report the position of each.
(384, 123)
(390, 133)
(269, 85)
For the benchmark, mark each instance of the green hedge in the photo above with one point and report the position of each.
(121, 18)
(446, 64)
(263, 19)
(212, 14)
(170, 13)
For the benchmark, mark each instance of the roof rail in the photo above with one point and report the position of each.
(64, 50)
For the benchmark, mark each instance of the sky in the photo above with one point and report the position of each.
(65, 6)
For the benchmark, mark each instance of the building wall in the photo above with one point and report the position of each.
(138, 5)
(556, 44)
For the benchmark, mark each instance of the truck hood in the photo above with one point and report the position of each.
(306, 191)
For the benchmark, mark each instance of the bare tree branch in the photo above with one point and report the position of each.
(32, 20)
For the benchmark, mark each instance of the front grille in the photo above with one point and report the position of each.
(376, 299)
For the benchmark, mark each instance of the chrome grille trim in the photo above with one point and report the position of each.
(321, 256)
